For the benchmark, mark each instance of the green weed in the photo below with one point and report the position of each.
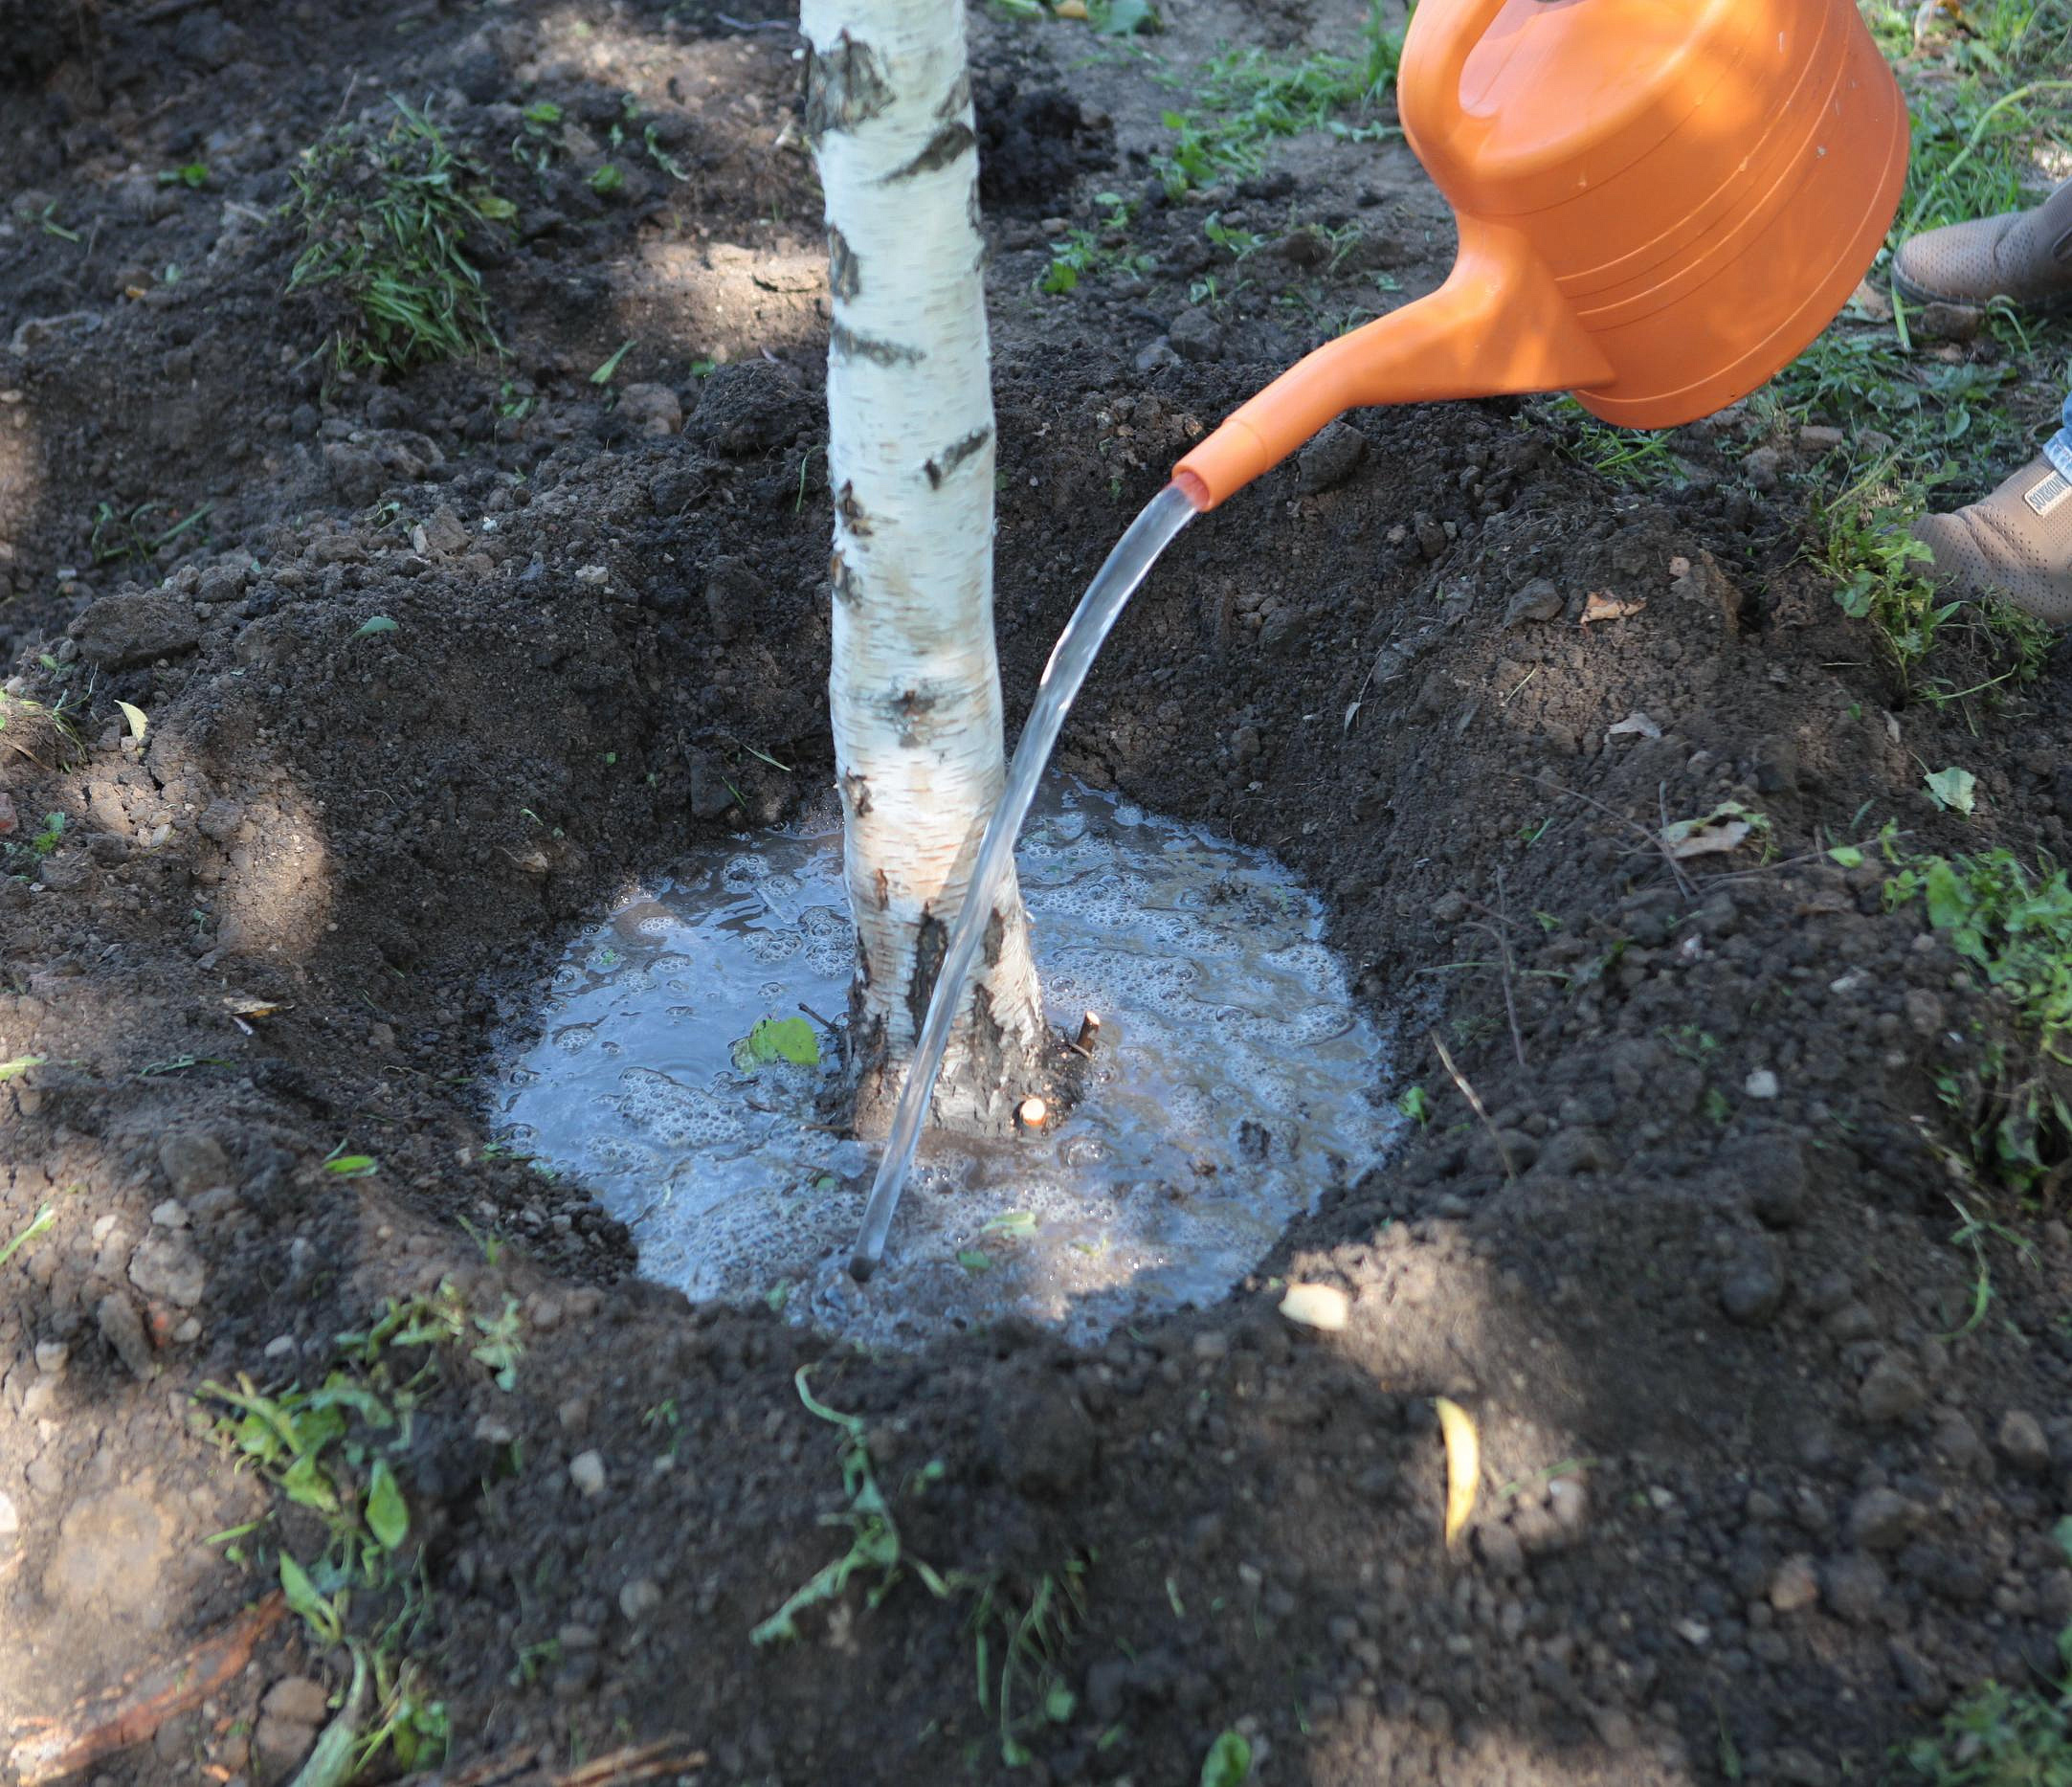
(1018, 1645)
(39, 1225)
(387, 220)
(329, 1450)
(135, 533)
(2015, 926)
(875, 1546)
(1083, 254)
(1861, 539)
(1018, 1656)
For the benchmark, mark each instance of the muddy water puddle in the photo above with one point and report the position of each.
(1230, 1090)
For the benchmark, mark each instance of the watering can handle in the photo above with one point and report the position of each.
(1442, 35)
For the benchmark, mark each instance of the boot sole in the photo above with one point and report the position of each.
(2055, 305)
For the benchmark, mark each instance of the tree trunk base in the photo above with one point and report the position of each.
(984, 1082)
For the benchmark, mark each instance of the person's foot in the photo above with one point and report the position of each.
(2015, 544)
(2022, 255)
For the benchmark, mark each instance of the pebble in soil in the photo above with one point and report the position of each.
(1232, 1088)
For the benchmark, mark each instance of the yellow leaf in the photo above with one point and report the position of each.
(1070, 8)
(136, 718)
(1317, 1306)
(1463, 1464)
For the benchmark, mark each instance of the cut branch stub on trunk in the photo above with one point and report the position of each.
(915, 688)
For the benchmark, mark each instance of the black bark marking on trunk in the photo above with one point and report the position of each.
(884, 890)
(843, 88)
(844, 278)
(931, 943)
(939, 469)
(842, 579)
(858, 788)
(957, 102)
(942, 148)
(910, 709)
(995, 939)
(855, 517)
(848, 342)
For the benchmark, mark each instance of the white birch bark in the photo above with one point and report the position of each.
(915, 687)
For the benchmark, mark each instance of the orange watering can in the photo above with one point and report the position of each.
(1661, 203)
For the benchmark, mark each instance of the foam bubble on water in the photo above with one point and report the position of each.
(1230, 1090)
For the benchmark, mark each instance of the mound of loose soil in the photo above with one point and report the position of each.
(430, 666)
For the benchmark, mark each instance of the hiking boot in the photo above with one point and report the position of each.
(2015, 544)
(2022, 255)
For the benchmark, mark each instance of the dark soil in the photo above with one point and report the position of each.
(1760, 1497)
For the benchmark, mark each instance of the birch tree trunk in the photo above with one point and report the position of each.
(915, 688)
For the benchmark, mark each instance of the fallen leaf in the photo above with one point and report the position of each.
(1463, 1464)
(1070, 8)
(1317, 1306)
(1633, 725)
(1727, 827)
(1871, 304)
(1707, 840)
(1954, 789)
(777, 1038)
(243, 1005)
(375, 624)
(138, 723)
(1603, 605)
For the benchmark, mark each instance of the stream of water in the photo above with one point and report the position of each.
(1071, 659)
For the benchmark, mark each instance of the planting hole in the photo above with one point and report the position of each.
(1231, 1087)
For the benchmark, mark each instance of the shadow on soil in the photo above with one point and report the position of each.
(1664, 1291)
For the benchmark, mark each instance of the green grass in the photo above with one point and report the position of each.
(1637, 459)
(385, 220)
(1993, 114)
(1248, 98)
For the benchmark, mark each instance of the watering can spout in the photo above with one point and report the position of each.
(1498, 327)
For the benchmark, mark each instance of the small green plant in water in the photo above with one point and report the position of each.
(385, 221)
